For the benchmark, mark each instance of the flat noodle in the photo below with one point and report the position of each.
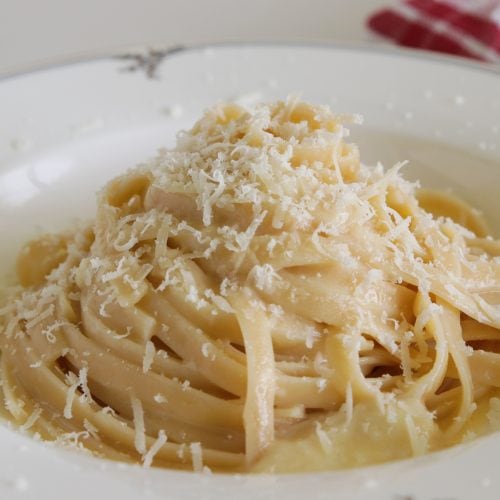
(256, 299)
(258, 415)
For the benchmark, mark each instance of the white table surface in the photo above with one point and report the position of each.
(37, 32)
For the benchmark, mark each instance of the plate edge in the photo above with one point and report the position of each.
(168, 51)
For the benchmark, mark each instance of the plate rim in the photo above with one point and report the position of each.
(170, 50)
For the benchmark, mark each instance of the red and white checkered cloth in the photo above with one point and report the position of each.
(469, 28)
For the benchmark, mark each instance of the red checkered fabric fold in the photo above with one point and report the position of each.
(469, 28)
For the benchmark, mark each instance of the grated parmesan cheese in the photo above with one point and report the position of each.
(196, 456)
(140, 430)
(83, 384)
(321, 384)
(75, 382)
(40, 317)
(263, 277)
(219, 301)
(91, 428)
(160, 398)
(312, 336)
(48, 332)
(31, 420)
(227, 286)
(324, 439)
(107, 410)
(205, 349)
(149, 356)
(181, 451)
(70, 394)
(147, 459)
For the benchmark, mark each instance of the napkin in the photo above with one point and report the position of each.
(469, 28)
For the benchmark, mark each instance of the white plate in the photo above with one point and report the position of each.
(65, 130)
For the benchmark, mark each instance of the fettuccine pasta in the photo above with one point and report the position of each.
(256, 299)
